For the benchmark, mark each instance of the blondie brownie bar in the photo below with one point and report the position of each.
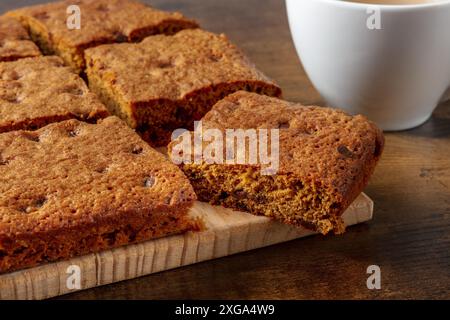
(167, 82)
(37, 91)
(15, 42)
(325, 160)
(101, 21)
(72, 188)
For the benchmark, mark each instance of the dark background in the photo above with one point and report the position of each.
(409, 237)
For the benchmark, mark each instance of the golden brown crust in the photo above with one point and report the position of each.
(102, 21)
(322, 144)
(171, 67)
(326, 159)
(174, 79)
(41, 90)
(72, 188)
(15, 42)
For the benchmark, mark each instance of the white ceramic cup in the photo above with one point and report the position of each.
(394, 72)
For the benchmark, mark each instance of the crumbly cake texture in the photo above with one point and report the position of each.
(102, 21)
(326, 158)
(167, 82)
(37, 91)
(15, 42)
(73, 188)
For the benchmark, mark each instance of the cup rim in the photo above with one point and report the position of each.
(396, 7)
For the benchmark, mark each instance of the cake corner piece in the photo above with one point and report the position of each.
(40, 90)
(73, 188)
(15, 42)
(48, 26)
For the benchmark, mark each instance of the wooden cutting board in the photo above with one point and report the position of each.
(228, 232)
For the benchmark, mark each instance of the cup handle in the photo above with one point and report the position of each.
(446, 95)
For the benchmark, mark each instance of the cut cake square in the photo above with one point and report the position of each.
(101, 21)
(37, 91)
(325, 160)
(15, 42)
(166, 82)
(73, 188)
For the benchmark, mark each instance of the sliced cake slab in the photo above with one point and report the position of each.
(72, 188)
(15, 42)
(325, 158)
(167, 82)
(101, 21)
(37, 91)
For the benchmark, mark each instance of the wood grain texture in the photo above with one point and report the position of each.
(409, 237)
(227, 232)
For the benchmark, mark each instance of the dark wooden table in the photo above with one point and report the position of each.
(409, 237)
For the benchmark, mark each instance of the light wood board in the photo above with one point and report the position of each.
(228, 232)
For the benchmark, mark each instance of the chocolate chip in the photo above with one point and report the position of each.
(149, 182)
(344, 151)
(73, 90)
(19, 250)
(248, 87)
(34, 206)
(102, 8)
(11, 98)
(164, 64)
(10, 75)
(335, 205)
(23, 209)
(168, 200)
(242, 206)
(31, 136)
(73, 133)
(12, 85)
(283, 125)
(260, 90)
(223, 195)
(101, 170)
(40, 202)
(137, 150)
(41, 15)
(120, 37)
(111, 237)
(215, 57)
(240, 194)
(3, 162)
(260, 198)
(298, 185)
